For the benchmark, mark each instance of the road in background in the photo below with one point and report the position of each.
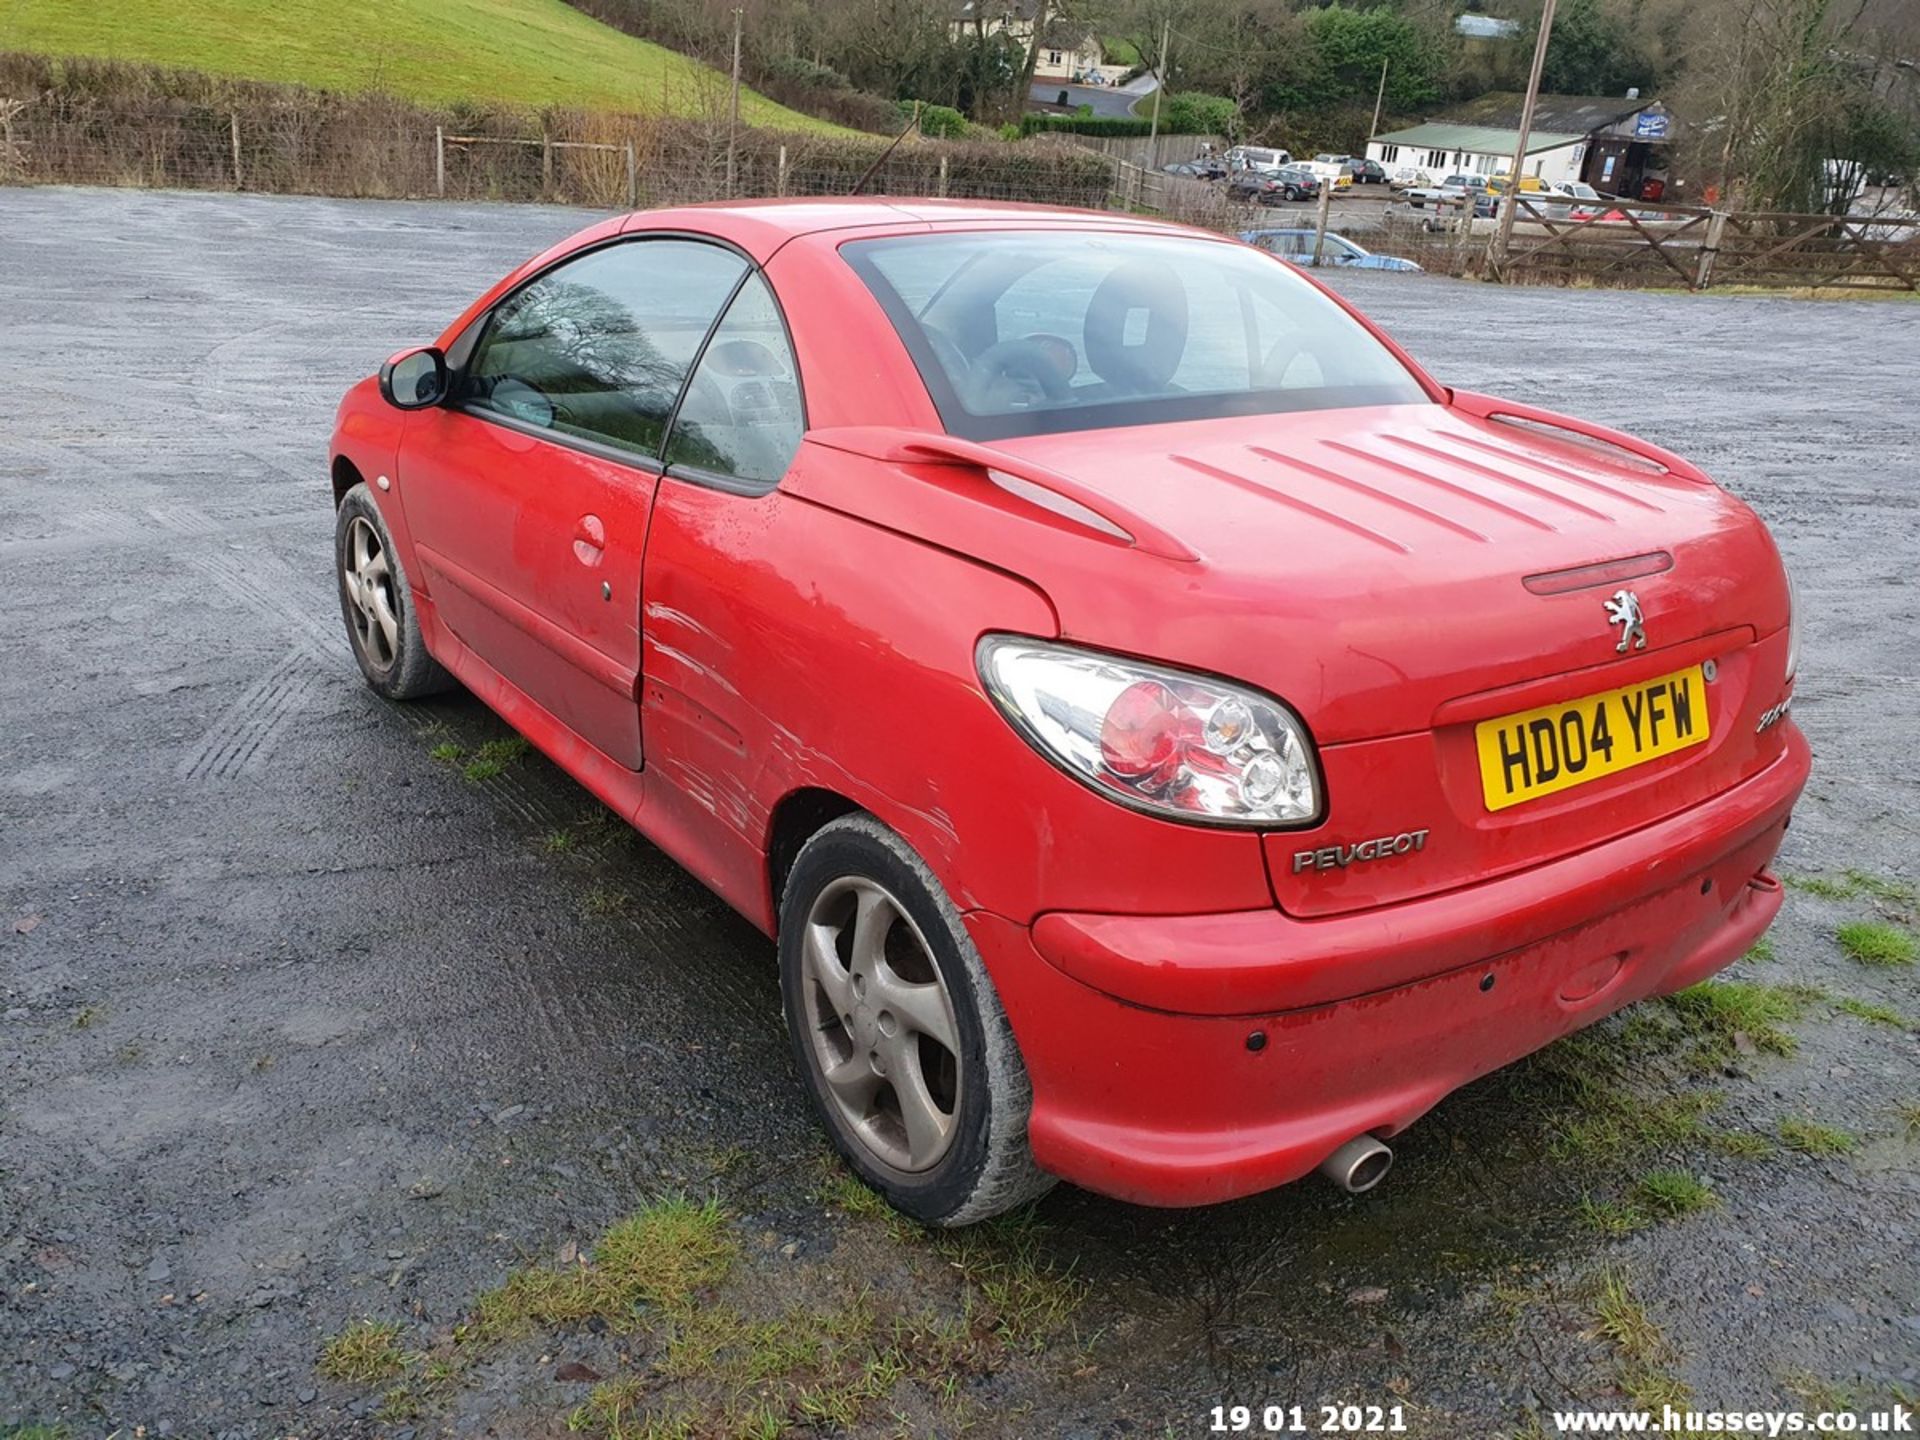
(1130, 99)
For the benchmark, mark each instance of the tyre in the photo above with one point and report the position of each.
(377, 605)
(896, 1028)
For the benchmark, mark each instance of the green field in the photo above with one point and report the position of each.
(515, 52)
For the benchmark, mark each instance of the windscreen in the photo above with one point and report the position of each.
(1028, 333)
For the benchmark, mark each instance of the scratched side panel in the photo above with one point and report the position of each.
(786, 645)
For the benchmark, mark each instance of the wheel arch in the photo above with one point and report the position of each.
(346, 475)
(797, 818)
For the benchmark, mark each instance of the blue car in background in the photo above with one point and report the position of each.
(1297, 246)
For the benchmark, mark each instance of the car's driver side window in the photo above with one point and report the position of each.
(597, 348)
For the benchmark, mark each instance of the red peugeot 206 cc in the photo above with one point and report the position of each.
(1173, 739)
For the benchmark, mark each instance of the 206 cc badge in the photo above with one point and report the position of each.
(1624, 610)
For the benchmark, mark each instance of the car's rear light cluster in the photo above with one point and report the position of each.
(1186, 746)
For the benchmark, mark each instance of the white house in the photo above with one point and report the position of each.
(1066, 55)
(1615, 143)
(1442, 150)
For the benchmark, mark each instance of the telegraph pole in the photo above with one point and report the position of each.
(1153, 134)
(733, 103)
(1504, 235)
(1379, 97)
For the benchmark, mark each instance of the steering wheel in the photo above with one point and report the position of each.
(999, 373)
(513, 396)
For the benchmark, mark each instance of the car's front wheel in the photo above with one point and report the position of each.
(906, 1051)
(377, 605)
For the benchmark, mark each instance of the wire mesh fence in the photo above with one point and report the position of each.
(265, 138)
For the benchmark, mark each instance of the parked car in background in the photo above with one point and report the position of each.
(1574, 194)
(1451, 191)
(1335, 250)
(1256, 157)
(1529, 185)
(1207, 169)
(1332, 170)
(1270, 187)
(1405, 177)
(1097, 659)
(1367, 172)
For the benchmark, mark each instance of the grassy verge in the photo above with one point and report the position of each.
(530, 53)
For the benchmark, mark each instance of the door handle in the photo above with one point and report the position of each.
(589, 540)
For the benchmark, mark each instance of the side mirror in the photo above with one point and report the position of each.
(414, 379)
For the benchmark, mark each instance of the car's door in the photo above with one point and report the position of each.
(528, 492)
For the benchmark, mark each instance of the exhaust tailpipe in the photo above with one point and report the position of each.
(1359, 1165)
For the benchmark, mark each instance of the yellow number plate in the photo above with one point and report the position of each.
(1540, 752)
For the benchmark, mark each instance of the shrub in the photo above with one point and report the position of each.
(1196, 114)
(937, 122)
(1083, 125)
(1179, 115)
(798, 70)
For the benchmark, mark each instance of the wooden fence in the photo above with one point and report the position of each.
(1698, 248)
(1628, 243)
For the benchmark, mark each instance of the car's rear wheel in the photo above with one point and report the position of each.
(906, 1051)
(377, 605)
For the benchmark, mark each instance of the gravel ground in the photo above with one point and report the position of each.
(302, 1024)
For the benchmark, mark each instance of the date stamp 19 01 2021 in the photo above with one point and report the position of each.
(1309, 1420)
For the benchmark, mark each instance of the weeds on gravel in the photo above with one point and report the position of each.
(727, 1351)
(605, 901)
(1893, 892)
(1827, 887)
(1029, 1298)
(840, 1189)
(87, 1017)
(366, 1351)
(1617, 1124)
(1657, 1195)
(1909, 1114)
(1873, 1012)
(1809, 1137)
(1817, 1394)
(429, 1383)
(1852, 884)
(659, 1257)
(446, 753)
(492, 758)
(1640, 1347)
(1741, 1143)
(557, 842)
(1717, 1012)
(1611, 1217)
(1761, 951)
(1674, 1193)
(1872, 942)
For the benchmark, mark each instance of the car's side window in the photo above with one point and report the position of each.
(742, 417)
(598, 348)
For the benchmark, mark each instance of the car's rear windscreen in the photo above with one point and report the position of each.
(1039, 332)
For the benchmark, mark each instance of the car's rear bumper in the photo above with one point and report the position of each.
(1139, 1033)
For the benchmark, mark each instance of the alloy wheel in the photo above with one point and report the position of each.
(881, 1024)
(372, 607)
